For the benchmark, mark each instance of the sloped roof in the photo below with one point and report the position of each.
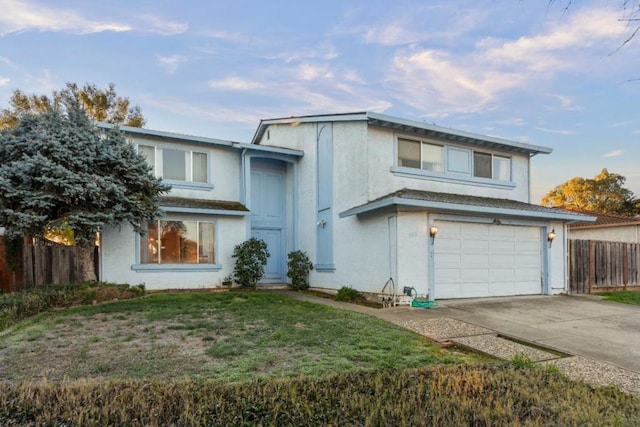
(411, 126)
(448, 202)
(606, 220)
(177, 204)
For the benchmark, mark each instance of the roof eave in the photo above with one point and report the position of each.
(453, 207)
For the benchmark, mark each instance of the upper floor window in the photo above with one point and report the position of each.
(451, 160)
(486, 165)
(421, 155)
(176, 164)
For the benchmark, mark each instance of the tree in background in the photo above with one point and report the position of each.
(603, 194)
(100, 105)
(56, 168)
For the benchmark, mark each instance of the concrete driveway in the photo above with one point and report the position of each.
(580, 325)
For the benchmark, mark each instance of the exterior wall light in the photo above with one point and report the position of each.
(551, 236)
(433, 230)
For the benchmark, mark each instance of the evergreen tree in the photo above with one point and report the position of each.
(58, 168)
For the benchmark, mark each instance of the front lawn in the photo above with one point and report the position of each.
(266, 359)
(234, 336)
(626, 297)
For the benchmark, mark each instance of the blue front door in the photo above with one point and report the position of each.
(268, 214)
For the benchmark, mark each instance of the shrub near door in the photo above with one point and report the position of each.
(251, 257)
(298, 268)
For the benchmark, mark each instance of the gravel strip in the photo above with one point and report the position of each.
(443, 328)
(503, 348)
(598, 373)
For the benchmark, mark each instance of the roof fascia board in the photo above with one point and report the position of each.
(204, 211)
(442, 206)
(167, 135)
(434, 128)
(270, 149)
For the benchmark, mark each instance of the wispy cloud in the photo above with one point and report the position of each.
(170, 62)
(614, 153)
(18, 16)
(235, 83)
(556, 131)
(455, 81)
(4, 81)
(158, 25)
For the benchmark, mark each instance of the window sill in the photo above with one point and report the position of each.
(162, 268)
(451, 178)
(188, 185)
(330, 268)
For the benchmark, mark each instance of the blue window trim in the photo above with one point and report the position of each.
(162, 268)
(325, 267)
(451, 178)
(188, 184)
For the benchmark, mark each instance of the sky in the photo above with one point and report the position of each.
(528, 71)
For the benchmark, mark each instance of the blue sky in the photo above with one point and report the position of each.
(520, 70)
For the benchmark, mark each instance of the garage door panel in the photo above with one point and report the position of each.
(470, 275)
(502, 260)
(445, 276)
(503, 233)
(475, 230)
(450, 244)
(476, 260)
(529, 247)
(527, 261)
(472, 245)
(502, 275)
(502, 246)
(528, 233)
(449, 260)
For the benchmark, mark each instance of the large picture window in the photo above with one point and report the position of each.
(178, 242)
(176, 164)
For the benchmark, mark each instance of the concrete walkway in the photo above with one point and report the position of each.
(587, 338)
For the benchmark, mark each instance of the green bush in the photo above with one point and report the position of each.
(17, 306)
(347, 294)
(439, 396)
(251, 257)
(298, 268)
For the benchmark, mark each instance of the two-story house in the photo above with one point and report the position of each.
(369, 197)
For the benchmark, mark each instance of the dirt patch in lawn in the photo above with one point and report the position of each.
(105, 345)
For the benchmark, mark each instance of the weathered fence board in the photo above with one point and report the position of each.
(52, 264)
(596, 266)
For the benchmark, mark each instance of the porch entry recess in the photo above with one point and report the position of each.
(268, 216)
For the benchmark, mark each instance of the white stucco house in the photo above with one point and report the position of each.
(368, 196)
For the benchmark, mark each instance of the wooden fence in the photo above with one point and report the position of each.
(51, 264)
(596, 266)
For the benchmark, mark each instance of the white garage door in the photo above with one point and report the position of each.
(479, 260)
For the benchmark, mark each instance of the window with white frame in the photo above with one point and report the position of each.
(487, 165)
(178, 242)
(453, 160)
(176, 164)
(421, 155)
